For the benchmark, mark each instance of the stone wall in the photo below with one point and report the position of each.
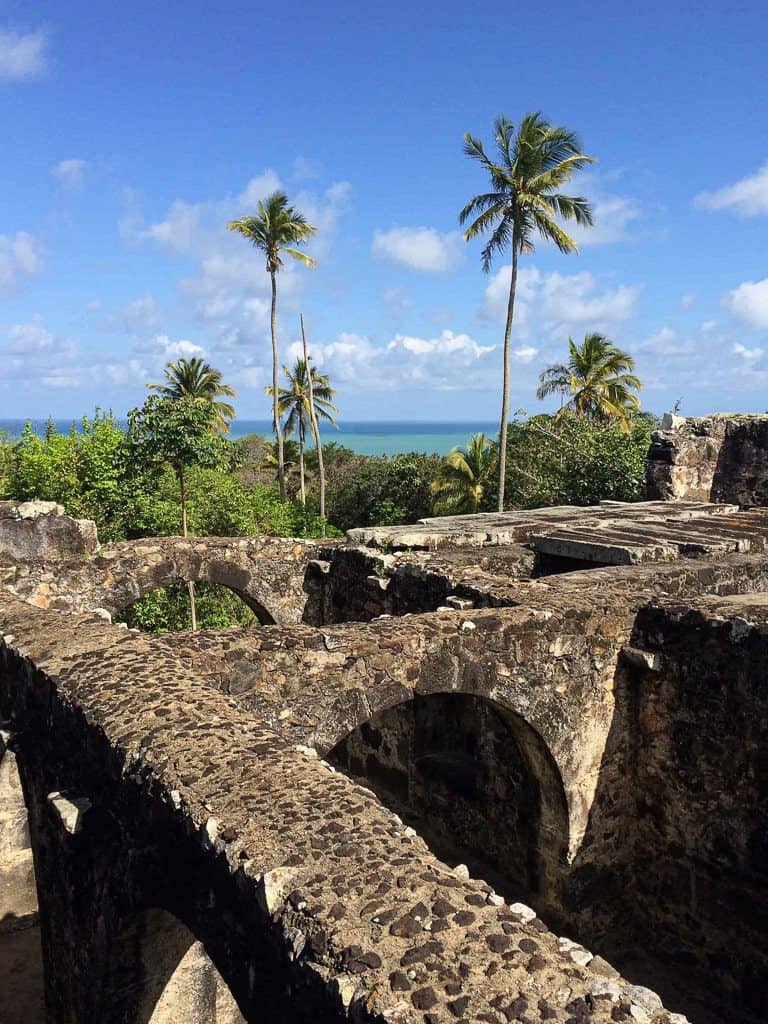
(699, 775)
(454, 766)
(710, 458)
(146, 788)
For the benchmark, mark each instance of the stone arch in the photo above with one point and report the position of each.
(159, 973)
(456, 765)
(21, 963)
(137, 581)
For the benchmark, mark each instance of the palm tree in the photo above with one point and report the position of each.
(599, 379)
(194, 378)
(533, 163)
(464, 477)
(198, 380)
(295, 401)
(275, 230)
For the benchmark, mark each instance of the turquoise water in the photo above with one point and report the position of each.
(367, 438)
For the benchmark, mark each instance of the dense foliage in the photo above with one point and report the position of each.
(568, 460)
(93, 474)
(365, 490)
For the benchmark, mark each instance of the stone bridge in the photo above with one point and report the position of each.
(447, 781)
(268, 573)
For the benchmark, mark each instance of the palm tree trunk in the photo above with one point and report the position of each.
(505, 385)
(190, 584)
(302, 489)
(275, 397)
(314, 426)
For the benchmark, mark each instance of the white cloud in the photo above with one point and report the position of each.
(22, 56)
(192, 229)
(687, 300)
(19, 254)
(147, 359)
(448, 362)
(612, 217)
(665, 342)
(229, 289)
(165, 348)
(748, 197)
(749, 354)
(70, 173)
(553, 302)
(525, 353)
(420, 248)
(141, 312)
(135, 317)
(749, 302)
(31, 356)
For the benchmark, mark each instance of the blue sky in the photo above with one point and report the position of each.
(133, 133)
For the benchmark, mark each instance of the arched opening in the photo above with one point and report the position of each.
(21, 961)
(476, 782)
(160, 974)
(166, 609)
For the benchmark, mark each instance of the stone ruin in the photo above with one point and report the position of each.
(493, 768)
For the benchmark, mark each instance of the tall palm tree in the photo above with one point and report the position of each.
(532, 164)
(295, 400)
(194, 378)
(599, 379)
(275, 230)
(464, 476)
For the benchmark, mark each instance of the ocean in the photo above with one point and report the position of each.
(375, 437)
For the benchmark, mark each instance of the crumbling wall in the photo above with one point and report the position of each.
(709, 458)
(700, 781)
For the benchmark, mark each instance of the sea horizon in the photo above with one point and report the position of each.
(365, 437)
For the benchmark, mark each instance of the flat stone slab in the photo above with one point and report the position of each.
(494, 528)
(655, 539)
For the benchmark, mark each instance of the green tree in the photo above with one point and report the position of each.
(377, 490)
(533, 163)
(294, 401)
(178, 432)
(571, 460)
(599, 380)
(463, 477)
(277, 229)
(194, 378)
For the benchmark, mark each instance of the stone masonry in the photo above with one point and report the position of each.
(498, 769)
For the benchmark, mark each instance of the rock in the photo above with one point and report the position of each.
(670, 421)
(275, 885)
(526, 913)
(604, 988)
(580, 956)
(603, 968)
(40, 531)
(644, 997)
(461, 871)
(424, 998)
(69, 810)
